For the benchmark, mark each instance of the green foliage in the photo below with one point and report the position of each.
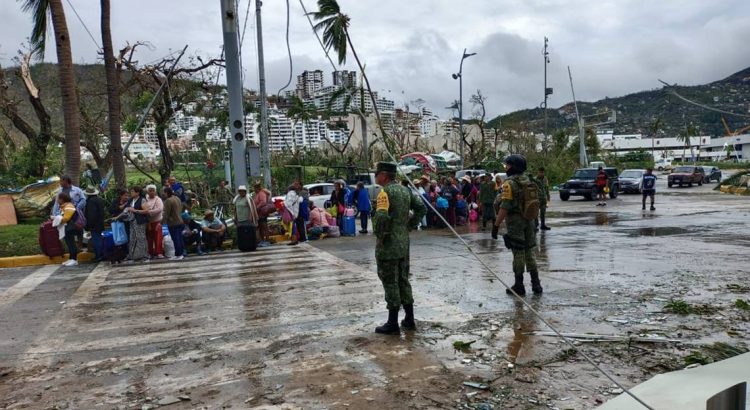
(679, 307)
(742, 304)
(462, 346)
(24, 162)
(19, 240)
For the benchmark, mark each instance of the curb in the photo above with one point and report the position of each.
(39, 260)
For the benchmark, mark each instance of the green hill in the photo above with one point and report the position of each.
(635, 112)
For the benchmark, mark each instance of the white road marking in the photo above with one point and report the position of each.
(26, 285)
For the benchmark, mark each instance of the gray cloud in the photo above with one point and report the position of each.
(411, 48)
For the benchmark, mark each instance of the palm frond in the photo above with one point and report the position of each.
(39, 10)
(334, 26)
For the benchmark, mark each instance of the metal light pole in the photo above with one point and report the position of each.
(265, 155)
(547, 92)
(460, 79)
(234, 87)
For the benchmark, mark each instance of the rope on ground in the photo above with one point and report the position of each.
(466, 244)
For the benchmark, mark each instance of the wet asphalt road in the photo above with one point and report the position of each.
(293, 326)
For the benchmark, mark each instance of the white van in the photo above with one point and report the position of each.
(663, 164)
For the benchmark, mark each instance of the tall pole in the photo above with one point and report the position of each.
(547, 91)
(234, 87)
(265, 156)
(581, 133)
(460, 79)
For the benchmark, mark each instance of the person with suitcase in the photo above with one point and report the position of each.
(71, 218)
(246, 219)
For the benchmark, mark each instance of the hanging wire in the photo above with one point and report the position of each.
(471, 250)
(705, 107)
(289, 52)
(83, 24)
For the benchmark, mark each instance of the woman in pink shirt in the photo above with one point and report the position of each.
(154, 206)
(318, 222)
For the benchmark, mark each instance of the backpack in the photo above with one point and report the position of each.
(529, 200)
(80, 223)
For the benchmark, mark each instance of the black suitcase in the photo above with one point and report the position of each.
(246, 240)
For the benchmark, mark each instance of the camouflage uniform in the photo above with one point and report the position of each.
(391, 223)
(543, 186)
(521, 238)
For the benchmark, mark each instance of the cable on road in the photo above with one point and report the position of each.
(466, 244)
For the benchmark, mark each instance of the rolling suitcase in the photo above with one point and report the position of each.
(113, 253)
(49, 240)
(349, 227)
(246, 239)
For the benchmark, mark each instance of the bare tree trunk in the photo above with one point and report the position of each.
(67, 91)
(113, 98)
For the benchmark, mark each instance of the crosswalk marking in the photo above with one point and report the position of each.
(26, 285)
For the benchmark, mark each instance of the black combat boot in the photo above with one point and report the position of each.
(391, 326)
(517, 286)
(495, 230)
(408, 322)
(536, 286)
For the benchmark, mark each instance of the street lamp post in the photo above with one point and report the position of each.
(459, 77)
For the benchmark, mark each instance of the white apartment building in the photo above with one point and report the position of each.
(702, 147)
(308, 83)
(345, 78)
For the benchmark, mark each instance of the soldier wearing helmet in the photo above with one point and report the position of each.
(520, 237)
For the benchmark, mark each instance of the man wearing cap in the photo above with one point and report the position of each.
(213, 232)
(391, 223)
(94, 212)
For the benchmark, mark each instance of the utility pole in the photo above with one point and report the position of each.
(547, 91)
(460, 79)
(265, 156)
(234, 88)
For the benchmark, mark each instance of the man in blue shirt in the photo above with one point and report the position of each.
(76, 195)
(177, 189)
(649, 188)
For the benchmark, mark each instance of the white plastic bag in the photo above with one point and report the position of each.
(168, 247)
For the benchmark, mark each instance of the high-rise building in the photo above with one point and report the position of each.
(345, 78)
(308, 82)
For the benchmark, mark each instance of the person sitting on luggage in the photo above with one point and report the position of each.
(213, 232)
(69, 215)
(192, 233)
(318, 222)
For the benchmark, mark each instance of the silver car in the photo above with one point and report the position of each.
(631, 181)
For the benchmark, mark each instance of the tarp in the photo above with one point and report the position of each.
(7, 211)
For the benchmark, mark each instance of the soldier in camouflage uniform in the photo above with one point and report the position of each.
(543, 184)
(391, 223)
(520, 237)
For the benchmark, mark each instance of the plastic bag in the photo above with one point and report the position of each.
(168, 247)
(119, 235)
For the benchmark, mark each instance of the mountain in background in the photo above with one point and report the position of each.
(636, 112)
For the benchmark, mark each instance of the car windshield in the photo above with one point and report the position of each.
(687, 170)
(631, 174)
(585, 174)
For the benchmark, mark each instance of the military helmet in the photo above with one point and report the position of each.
(516, 162)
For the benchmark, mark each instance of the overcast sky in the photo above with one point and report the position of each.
(411, 48)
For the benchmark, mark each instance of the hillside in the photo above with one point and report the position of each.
(636, 111)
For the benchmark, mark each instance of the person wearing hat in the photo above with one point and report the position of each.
(213, 231)
(94, 212)
(391, 224)
(154, 207)
(191, 235)
(520, 237)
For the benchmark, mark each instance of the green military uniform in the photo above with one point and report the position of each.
(521, 238)
(391, 223)
(543, 187)
(487, 195)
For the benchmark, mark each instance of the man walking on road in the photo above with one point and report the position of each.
(520, 237)
(391, 223)
(649, 188)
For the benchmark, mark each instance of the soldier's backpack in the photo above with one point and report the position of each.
(529, 200)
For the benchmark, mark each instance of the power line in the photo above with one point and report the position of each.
(289, 52)
(706, 107)
(476, 256)
(84, 24)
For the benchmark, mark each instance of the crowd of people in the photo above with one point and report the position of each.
(154, 217)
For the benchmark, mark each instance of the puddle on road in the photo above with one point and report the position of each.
(656, 231)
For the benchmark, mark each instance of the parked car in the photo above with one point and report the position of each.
(711, 174)
(631, 181)
(663, 164)
(583, 183)
(320, 192)
(686, 175)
